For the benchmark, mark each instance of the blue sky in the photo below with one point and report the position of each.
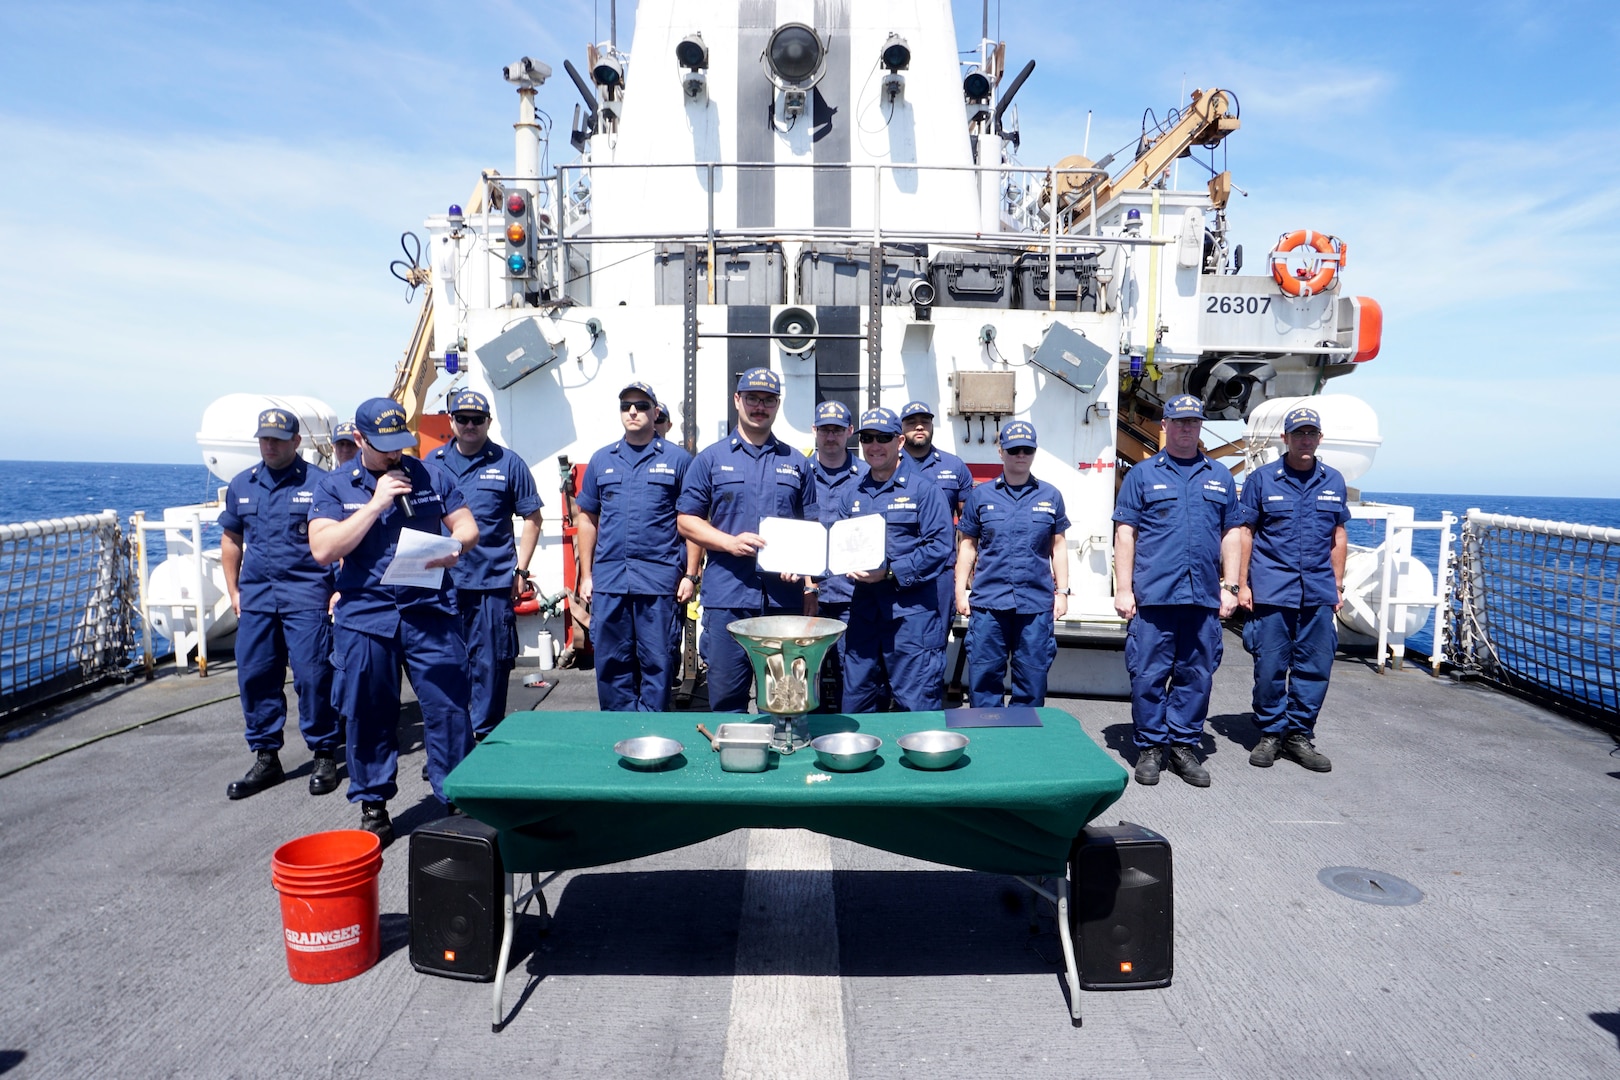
(202, 198)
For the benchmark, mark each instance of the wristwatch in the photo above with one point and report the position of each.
(693, 578)
(1063, 592)
(520, 572)
(1230, 586)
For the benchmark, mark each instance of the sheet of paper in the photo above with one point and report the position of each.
(414, 550)
(857, 544)
(792, 547)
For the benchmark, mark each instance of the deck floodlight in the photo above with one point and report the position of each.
(795, 57)
(976, 85)
(608, 71)
(691, 53)
(896, 53)
(922, 299)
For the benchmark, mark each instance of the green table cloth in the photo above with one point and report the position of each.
(562, 799)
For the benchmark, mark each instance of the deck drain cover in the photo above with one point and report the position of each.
(1369, 886)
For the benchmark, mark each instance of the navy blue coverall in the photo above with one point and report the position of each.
(733, 484)
(381, 628)
(635, 570)
(1292, 635)
(283, 593)
(1173, 645)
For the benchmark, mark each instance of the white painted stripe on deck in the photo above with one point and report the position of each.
(787, 1026)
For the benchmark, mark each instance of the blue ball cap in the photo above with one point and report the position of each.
(344, 432)
(382, 421)
(916, 408)
(276, 424)
(833, 414)
(660, 414)
(640, 387)
(880, 420)
(1301, 417)
(469, 401)
(761, 380)
(1184, 407)
(1017, 433)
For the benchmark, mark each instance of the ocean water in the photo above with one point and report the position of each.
(1428, 507)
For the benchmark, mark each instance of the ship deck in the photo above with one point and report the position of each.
(145, 937)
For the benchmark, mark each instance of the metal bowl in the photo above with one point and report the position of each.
(647, 751)
(845, 751)
(933, 749)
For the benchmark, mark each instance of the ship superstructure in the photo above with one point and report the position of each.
(831, 191)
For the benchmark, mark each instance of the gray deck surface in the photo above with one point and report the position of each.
(142, 937)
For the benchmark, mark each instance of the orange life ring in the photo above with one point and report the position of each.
(1330, 257)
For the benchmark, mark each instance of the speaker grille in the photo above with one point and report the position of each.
(1123, 912)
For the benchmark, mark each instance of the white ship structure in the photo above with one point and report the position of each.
(831, 190)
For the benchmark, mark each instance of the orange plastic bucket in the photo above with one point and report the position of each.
(328, 887)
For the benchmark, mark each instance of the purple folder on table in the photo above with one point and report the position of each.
(1012, 716)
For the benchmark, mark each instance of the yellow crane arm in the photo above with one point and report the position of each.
(1205, 122)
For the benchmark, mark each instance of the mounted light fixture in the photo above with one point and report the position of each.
(896, 53)
(691, 53)
(608, 72)
(795, 57)
(976, 85)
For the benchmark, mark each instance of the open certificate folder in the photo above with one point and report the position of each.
(812, 549)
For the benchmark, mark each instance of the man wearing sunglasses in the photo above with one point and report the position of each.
(631, 557)
(950, 473)
(732, 484)
(1176, 551)
(498, 487)
(1012, 555)
(357, 516)
(893, 638)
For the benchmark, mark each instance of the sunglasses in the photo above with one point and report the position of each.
(470, 420)
(1020, 451)
(876, 437)
(639, 406)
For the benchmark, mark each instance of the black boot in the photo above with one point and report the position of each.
(266, 772)
(1185, 762)
(374, 819)
(1265, 751)
(323, 777)
(1148, 764)
(1299, 747)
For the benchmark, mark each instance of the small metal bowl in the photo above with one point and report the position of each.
(933, 749)
(845, 751)
(647, 751)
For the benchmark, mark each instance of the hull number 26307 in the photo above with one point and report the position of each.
(1237, 305)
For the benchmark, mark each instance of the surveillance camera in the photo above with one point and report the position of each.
(527, 72)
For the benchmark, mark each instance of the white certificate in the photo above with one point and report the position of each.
(807, 548)
(792, 547)
(858, 544)
(413, 552)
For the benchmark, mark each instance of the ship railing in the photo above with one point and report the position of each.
(190, 610)
(66, 598)
(1536, 611)
(573, 187)
(1386, 602)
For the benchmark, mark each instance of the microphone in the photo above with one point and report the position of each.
(404, 504)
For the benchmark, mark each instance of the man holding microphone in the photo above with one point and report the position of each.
(357, 516)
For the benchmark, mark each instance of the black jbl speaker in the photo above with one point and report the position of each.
(1121, 908)
(456, 891)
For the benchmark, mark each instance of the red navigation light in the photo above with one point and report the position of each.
(516, 233)
(516, 204)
